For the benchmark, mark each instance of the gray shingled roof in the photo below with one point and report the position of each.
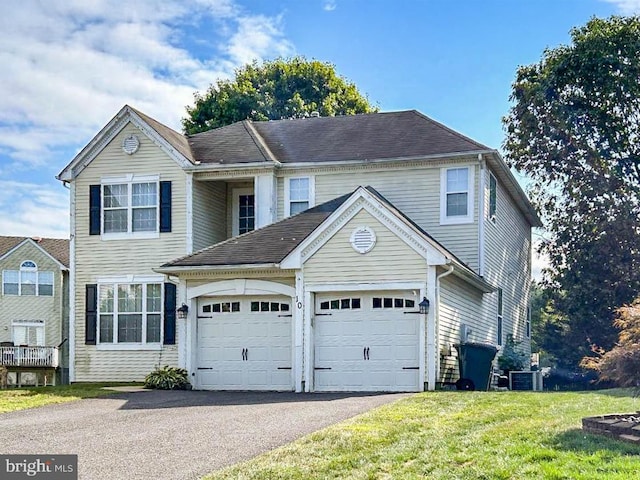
(267, 245)
(234, 143)
(177, 140)
(271, 244)
(58, 248)
(349, 137)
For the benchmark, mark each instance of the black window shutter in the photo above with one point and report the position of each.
(165, 206)
(91, 314)
(169, 314)
(94, 209)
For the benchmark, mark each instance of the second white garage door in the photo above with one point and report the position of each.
(244, 343)
(367, 342)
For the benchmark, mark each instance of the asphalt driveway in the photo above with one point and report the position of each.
(174, 434)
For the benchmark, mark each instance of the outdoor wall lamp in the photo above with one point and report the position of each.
(182, 311)
(424, 306)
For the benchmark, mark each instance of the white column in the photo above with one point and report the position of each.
(309, 302)
(431, 328)
(298, 333)
(265, 191)
(182, 326)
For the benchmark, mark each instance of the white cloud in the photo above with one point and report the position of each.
(626, 7)
(69, 66)
(329, 5)
(29, 209)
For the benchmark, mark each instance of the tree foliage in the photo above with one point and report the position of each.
(574, 129)
(622, 363)
(275, 90)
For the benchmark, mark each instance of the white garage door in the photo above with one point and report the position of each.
(244, 343)
(367, 342)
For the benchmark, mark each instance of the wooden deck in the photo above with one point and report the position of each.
(42, 361)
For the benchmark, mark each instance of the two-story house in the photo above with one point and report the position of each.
(298, 252)
(34, 308)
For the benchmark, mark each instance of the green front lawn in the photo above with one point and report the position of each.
(20, 398)
(461, 435)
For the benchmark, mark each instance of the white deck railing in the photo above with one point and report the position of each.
(43, 357)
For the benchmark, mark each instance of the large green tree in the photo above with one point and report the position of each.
(282, 88)
(574, 128)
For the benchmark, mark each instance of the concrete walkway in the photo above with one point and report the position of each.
(174, 434)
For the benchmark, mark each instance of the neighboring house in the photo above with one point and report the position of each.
(302, 249)
(34, 306)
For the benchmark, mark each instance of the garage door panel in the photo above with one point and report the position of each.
(390, 334)
(241, 348)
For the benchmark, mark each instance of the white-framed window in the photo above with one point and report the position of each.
(244, 211)
(493, 197)
(299, 193)
(130, 313)
(130, 206)
(499, 326)
(456, 195)
(27, 281)
(30, 333)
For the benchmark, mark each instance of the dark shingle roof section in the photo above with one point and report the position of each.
(268, 245)
(234, 143)
(177, 140)
(58, 248)
(343, 138)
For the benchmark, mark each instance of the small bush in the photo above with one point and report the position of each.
(512, 357)
(168, 378)
(621, 365)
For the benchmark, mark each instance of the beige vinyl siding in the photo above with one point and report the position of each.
(508, 263)
(31, 307)
(390, 260)
(96, 257)
(209, 213)
(290, 282)
(460, 304)
(413, 190)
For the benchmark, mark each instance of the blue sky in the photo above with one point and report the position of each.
(69, 66)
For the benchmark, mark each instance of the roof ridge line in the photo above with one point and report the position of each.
(259, 141)
(450, 130)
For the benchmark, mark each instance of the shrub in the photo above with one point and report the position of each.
(621, 364)
(512, 358)
(168, 378)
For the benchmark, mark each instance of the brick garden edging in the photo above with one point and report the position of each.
(624, 426)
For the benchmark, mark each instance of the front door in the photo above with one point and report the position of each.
(244, 211)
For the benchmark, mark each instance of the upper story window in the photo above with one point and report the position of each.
(299, 195)
(493, 196)
(27, 281)
(131, 206)
(456, 195)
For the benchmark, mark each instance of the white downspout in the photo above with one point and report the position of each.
(481, 214)
(437, 313)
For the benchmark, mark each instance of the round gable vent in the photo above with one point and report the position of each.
(130, 144)
(363, 239)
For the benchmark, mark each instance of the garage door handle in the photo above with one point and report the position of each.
(284, 368)
(365, 353)
(245, 354)
(205, 368)
(322, 368)
(411, 368)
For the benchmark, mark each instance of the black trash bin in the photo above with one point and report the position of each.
(474, 361)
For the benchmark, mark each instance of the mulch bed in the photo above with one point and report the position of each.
(625, 426)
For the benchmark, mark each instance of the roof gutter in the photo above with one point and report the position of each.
(367, 161)
(177, 270)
